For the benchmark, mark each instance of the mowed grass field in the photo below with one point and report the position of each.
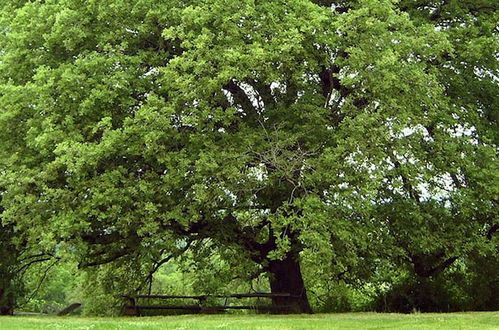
(454, 321)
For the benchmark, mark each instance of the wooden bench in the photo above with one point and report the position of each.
(69, 309)
(133, 309)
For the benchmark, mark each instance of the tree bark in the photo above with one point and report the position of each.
(286, 277)
(6, 302)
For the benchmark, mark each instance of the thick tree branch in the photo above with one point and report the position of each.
(492, 230)
(109, 258)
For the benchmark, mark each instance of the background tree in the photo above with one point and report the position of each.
(17, 261)
(464, 199)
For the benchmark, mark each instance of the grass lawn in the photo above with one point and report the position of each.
(452, 321)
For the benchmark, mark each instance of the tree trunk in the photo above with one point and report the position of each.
(6, 302)
(286, 277)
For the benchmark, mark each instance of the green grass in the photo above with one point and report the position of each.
(452, 321)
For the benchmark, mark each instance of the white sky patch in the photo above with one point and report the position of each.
(253, 96)
(461, 131)
(483, 73)
(277, 86)
(258, 172)
(151, 72)
(228, 95)
(134, 32)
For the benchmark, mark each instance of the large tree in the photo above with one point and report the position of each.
(263, 128)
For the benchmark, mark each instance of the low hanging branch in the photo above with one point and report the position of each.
(42, 279)
(163, 261)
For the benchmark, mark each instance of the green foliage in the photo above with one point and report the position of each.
(50, 289)
(104, 286)
(470, 284)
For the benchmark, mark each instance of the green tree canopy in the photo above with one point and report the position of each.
(274, 131)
